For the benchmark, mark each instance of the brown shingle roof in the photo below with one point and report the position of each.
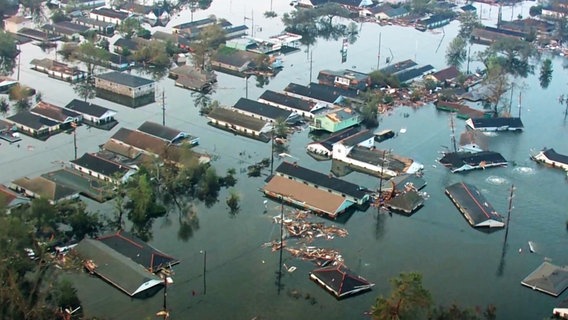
(312, 197)
(53, 112)
(141, 141)
(45, 188)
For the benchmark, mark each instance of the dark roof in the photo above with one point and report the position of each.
(340, 281)
(45, 188)
(554, 156)
(139, 251)
(287, 100)
(407, 202)
(66, 27)
(100, 165)
(397, 67)
(548, 278)
(410, 74)
(455, 160)
(234, 57)
(107, 12)
(358, 138)
(120, 271)
(87, 108)
(345, 73)
(125, 79)
(236, 118)
(338, 136)
(435, 19)
(395, 12)
(468, 7)
(497, 122)
(94, 22)
(196, 23)
(31, 120)
(448, 73)
(118, 59)
(375, 157)
(323, 93)
(126, 43)
(160, 131)
(141, 140)
(401, 181)
(320, 179)
(473, 205)
(261, 109)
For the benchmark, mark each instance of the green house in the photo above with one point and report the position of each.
(336, 120)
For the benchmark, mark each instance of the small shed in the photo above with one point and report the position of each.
(548, 278)
(340, 281)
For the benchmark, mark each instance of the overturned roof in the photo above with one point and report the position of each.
(340, 281)
(142, 253)
(117, 269)
(548, 278)
(473, 205)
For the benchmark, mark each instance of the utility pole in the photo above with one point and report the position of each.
(281, 243)
(204, 252)
(311, 63)
(272, 152)
(19, 59)
(246, 86)
(251, 23)
(452, 114)
(164, 108)
(468, 57)
(74, 126)
(379, 54)
(509, 214)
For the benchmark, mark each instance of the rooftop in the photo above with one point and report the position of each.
(87, 108)
(287, 100)
(340, 281)
(31, 120)
(125, 79)
(236, 118)
(548, 278)
(322, 93)
(473, 205)
(100, 165)
(141, 140)
(54, 112)
(160, 131)
(45, 188)
(320, 179)
(107, 12)
(261, 109)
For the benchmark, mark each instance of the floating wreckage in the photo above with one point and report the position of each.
(310, 230)
(320, 256)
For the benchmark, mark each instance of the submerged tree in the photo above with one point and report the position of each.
(545, 73)
(456, 53)
(408, 299)
(8, 53)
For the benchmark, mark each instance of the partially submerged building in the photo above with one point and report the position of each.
(473, 206)
(320, 193)
(465, 161)
(125, 89)
(93, 114)
(323, 149)
(307, 109)
(550, 157)
(232, 120)
(495, 124)
(336, 120)
(346, 79)
(548, 278)
(264, 111)
(168, 134)
(117, 269)
(40, 187)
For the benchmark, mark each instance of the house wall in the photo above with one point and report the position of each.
(98, 17)
(231, 126)
(13, 27)
(125, 90)
(341, 153)
(93, 173)
(229, 66)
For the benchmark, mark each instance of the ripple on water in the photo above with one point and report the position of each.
(524, 170)
(495, 180)
(490, 134)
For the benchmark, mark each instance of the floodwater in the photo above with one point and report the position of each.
(459, 264)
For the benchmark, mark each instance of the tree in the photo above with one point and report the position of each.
(129, 27)
(233, 201)
(142, 206)
(454, 312)
(91, 55)
(513, 56)
(408, 299)
(456, 53)
(281, 128)
(59, 16)
(497, 82)
(545, 73)
(85, 90)
(468, 22)
(535, 11)
(210, 38)
(8, 53)
(4, 106)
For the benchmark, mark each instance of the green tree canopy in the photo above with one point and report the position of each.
(408, 299)
(8, 53)
(456, 53)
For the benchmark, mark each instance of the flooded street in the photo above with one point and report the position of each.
(459, 264)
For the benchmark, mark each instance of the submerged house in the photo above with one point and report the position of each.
(117, 269)
(340, 281)
(359, 153)
(41, 187)
(58, 70)
(552, 158)
(473, 206)
(93, 114)
(314, 92)
(170, 135)
(64, 117)
(306, 109)
(548, 278)
(101, 168)
(125, 89)
(495, 124)
(346, 79)
(311, 190)
(240, 123)
(336, 120)
(264, 111)
(139, 251)
(323, 149)
(189, 77)
(465, 161)
(33, 125)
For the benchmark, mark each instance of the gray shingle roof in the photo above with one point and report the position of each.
(125, 79)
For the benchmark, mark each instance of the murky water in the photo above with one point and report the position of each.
(459, 263)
